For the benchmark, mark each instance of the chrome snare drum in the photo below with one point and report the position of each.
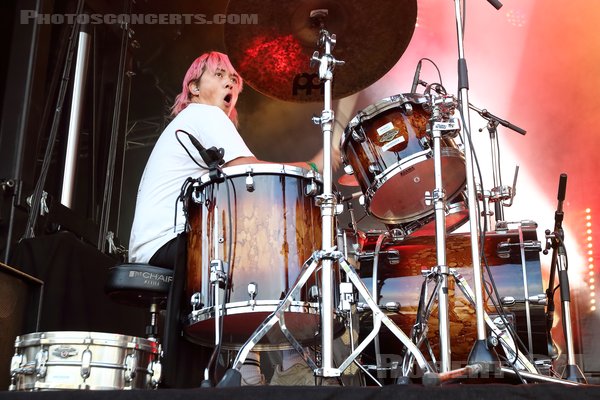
(84, 360)
(387, 147)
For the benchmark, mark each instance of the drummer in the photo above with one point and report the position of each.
(205, 109)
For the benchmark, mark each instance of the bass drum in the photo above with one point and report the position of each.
(400, 278)
(387, 147)
(84, 360)
(263, 218)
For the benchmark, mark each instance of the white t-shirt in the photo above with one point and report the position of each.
(167, 169)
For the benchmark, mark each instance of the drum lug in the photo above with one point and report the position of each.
(40, 363)
(358, 136)
(86, 363)
(361, 200)
(252, 291)
(196, 193)
(392, 306)
(155, 372)
(393, 257)
(130, 367)
(408, 109)
(196, 301)
(15, 364)
(311, 188)
(250, 183)
(374, 168)
(314, 293)
(217, 273)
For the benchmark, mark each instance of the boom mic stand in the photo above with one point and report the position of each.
(502, 196)
(326, 257)
(481, 352)
(555, 240)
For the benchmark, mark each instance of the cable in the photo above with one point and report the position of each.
(186, 149)
(436, 67)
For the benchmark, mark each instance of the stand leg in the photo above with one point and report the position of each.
(378, 318)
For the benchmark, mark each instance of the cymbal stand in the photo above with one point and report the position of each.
(442, 107)
(325, 257)
(480, 353)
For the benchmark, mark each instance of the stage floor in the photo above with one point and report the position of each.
(417, 392)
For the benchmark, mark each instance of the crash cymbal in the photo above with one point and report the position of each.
(272, 51)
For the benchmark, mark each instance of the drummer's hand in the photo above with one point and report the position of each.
(336, 160)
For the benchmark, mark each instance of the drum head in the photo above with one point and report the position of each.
(399, 196)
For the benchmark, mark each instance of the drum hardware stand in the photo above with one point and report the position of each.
(484, 197)
(324, 257)
(498, 328)
(218, 280)
(555, 240)
(442, 107)
(218, 277)
(501, 196)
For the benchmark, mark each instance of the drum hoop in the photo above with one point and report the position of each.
(413, 159)
(242, 307)
(85, 338)
(268, 169)
(379, 107)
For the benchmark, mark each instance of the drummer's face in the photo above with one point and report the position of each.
(218, 88)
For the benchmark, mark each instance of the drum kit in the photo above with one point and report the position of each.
(269, 267)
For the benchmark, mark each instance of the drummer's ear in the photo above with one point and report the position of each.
(193, 88)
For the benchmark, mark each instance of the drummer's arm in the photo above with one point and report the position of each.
(315, 162)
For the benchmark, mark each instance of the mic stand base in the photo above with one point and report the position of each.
(573, 373)
(483, 354)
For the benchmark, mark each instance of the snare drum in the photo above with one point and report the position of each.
(263, 218)
(84, 360)
(387, 147)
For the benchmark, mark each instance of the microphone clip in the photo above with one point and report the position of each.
(213, 158)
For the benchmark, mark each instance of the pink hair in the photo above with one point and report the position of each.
(208, 61)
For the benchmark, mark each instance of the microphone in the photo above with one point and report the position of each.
(562, 187)
(495, 3)
(415, 82)
(212, 157)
